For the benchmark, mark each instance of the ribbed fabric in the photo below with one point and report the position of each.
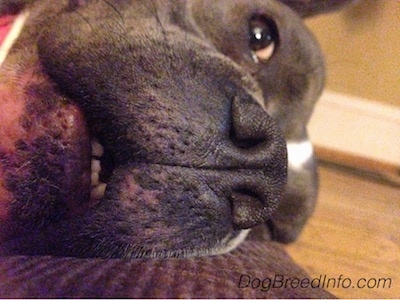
(201, 277)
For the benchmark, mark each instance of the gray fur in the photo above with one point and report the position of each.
(193, 126)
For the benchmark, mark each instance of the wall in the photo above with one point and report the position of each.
(356, 123)
(362, 48)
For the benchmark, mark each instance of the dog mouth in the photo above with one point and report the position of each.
(99, 174)
(171, 178)
(243, 188)
(229, 200)
(171, 164)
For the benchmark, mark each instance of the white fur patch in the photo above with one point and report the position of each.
(14, 33)
(299, 153)
(231, 243)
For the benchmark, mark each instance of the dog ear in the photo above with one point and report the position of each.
(306, 8)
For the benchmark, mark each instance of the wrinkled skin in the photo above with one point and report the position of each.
(195, 123)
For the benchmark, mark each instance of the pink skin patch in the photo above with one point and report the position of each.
(5, 25)
(7, 130)
(44, 142)
(11, 109)
(43, 138)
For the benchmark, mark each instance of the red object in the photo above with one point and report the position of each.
(5, 25)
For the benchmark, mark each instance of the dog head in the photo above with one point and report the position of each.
(182, 109)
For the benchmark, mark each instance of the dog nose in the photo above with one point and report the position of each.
(259, 144)
(255, 140)
(247, 123)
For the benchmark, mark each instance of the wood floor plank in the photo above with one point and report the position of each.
(354, 232)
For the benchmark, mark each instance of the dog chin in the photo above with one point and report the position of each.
(231, 241)
(228, 244)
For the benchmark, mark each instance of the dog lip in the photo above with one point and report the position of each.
(251, 191)
(226, 200)
(205, 168)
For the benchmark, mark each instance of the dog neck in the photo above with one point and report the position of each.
(10, 29)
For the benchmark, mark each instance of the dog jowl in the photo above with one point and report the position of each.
(146, 128)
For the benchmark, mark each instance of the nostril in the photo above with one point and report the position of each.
(247, 209)
(242, 142)
(247, 123)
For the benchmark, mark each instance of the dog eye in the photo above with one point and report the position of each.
(263, 38)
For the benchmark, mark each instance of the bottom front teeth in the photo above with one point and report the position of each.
(98, 188)
(97, 192)
(97, 148)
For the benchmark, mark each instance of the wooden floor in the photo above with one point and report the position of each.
(355, 234)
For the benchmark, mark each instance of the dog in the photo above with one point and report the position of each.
(153, 130)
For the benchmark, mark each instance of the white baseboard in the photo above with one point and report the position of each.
(357, 126)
